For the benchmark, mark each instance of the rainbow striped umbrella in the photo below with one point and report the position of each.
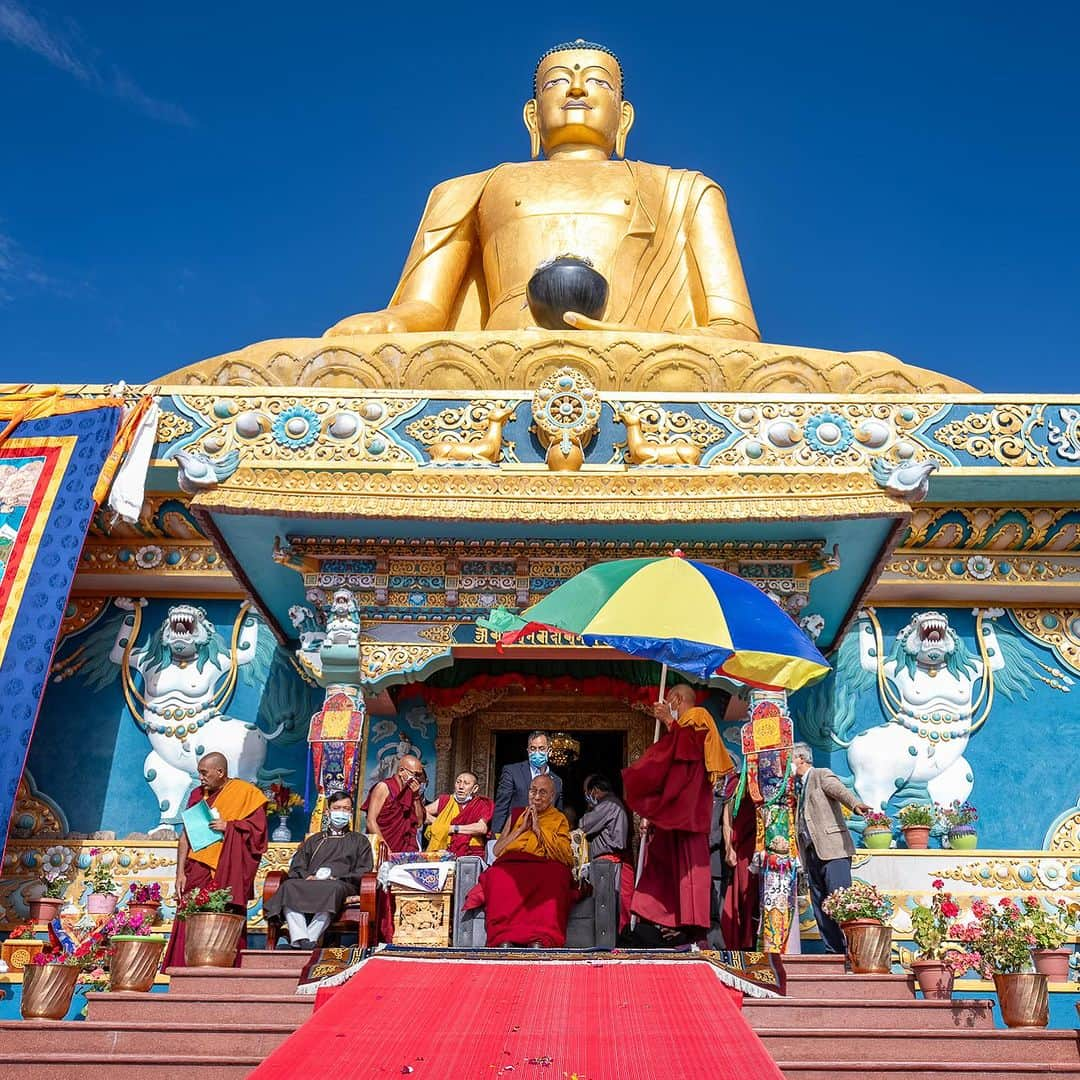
(686, 614)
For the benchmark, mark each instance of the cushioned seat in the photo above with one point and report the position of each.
(593, 924)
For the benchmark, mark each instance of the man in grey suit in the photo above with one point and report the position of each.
(514, 780)
(825, 845)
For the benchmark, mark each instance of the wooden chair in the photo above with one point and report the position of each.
(358, 914)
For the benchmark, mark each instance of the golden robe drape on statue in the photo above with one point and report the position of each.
(659, 280)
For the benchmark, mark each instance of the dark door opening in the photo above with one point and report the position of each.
(601, 752)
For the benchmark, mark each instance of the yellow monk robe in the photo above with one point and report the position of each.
(452, 812)
(236, 801)
(527, 892)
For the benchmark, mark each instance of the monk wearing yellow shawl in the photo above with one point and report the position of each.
(459, 823)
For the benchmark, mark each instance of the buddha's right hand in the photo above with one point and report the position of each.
(372, 322)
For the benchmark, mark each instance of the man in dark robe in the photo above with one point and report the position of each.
(325, 870)
(606, 825)
(671, 787)
(459, 823)
(527, 892)
(395, 808)
(232, 862)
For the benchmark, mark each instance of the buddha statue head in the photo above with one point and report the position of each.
(577, 108)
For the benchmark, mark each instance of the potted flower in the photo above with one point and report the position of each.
(50, 978)
(46, 907)
(145, 900)
(1001, 939)
(1049, 930)
(931, 925)
(135, 954)
(21, 947)
(102, 898)
(283, 801)
(211, 932)
(916, 821)
(862, 913)
(877, 832)
(958, 820)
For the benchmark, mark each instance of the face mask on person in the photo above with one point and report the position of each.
(340, 818)
(538, 758)
(590, 799)
(462, 798)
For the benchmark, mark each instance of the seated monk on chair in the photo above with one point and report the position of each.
(527, 892)
(324, 872)
(459, 823)
(239, 810)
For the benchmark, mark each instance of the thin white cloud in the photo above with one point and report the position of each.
(26, 31)
(21, 273)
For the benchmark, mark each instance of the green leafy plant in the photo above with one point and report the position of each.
(877, 819)
(100, 874)
(998, 938)
(919, 815)
(1048, 928)
(857, 901)
(205, 899)
(56, 882)
(932, 924)
(957, 815)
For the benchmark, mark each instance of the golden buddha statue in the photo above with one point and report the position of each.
(678, 316)
(660, 236)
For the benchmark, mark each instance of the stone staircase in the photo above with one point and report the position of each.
(222, 1022)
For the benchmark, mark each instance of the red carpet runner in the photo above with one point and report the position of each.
(474, 1020)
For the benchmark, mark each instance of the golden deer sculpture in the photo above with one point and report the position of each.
(487, 448)
(644, 452)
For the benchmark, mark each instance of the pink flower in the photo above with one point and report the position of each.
(937, 883)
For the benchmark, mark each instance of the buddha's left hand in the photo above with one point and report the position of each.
(583, 322)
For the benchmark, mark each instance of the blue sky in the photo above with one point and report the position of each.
(172, 186)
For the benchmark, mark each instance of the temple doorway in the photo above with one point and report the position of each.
(597, 752)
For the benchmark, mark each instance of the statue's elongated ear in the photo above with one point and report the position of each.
(626, 122)
(528, 114)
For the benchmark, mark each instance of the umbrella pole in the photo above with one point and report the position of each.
(655, 738)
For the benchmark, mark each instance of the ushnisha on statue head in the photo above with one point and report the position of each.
(577, 108)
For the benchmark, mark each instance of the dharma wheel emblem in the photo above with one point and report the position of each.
(566, 412)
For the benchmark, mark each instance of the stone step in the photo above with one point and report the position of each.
(856, 1014)
(852, 1044)
(96, 1037)
(211, 981)
(923, 1070)
(876, 987)
(274, 959)
(824, 963)
(171, 1008)
(125, 1067)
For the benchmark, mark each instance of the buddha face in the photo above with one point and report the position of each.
(579, 104)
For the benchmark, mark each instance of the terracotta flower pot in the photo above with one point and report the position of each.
(869, 946)
(877, 838)
(934, 978)
(149, 912)
(1024, 1000)
(917, 837)
(211, 938)
(46, 908)
(47, 991)
(98, 903)
(134, 962)
(18, 952)
(1053, 963)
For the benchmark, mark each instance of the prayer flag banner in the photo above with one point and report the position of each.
(48, 471)
(196, 821)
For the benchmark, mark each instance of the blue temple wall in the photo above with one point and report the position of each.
(1018, 767)
(411, 730)
(88, 753)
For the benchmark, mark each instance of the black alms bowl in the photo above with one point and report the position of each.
(565, 284)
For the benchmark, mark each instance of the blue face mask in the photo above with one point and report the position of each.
(590, 800)
(340, 818)
(538, 759)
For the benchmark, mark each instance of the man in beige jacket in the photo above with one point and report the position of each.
(825, 845)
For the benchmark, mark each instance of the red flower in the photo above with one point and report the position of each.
(950, 909)
(937, 883)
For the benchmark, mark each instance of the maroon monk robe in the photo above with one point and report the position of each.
(397, 818)
(668, 785)
(243, 845)
(478, 808)
(742, 900)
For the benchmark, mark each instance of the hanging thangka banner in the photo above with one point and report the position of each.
(49, 468)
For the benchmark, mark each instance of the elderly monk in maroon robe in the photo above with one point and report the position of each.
(671, 787)
(234, 860)
(527, 892)
(459, 823)
(395, 809)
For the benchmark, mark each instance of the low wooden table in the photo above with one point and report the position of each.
(422, 917)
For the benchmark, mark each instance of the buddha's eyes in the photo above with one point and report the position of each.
(601, 82)
(554, 82)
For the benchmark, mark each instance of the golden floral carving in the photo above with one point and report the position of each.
(961, 566)
(465, 433)
(658, 436)
(1058, 628)
(997, 434)
(994, 528)
(171, 426)
(1035, 874)
(1066, 836)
